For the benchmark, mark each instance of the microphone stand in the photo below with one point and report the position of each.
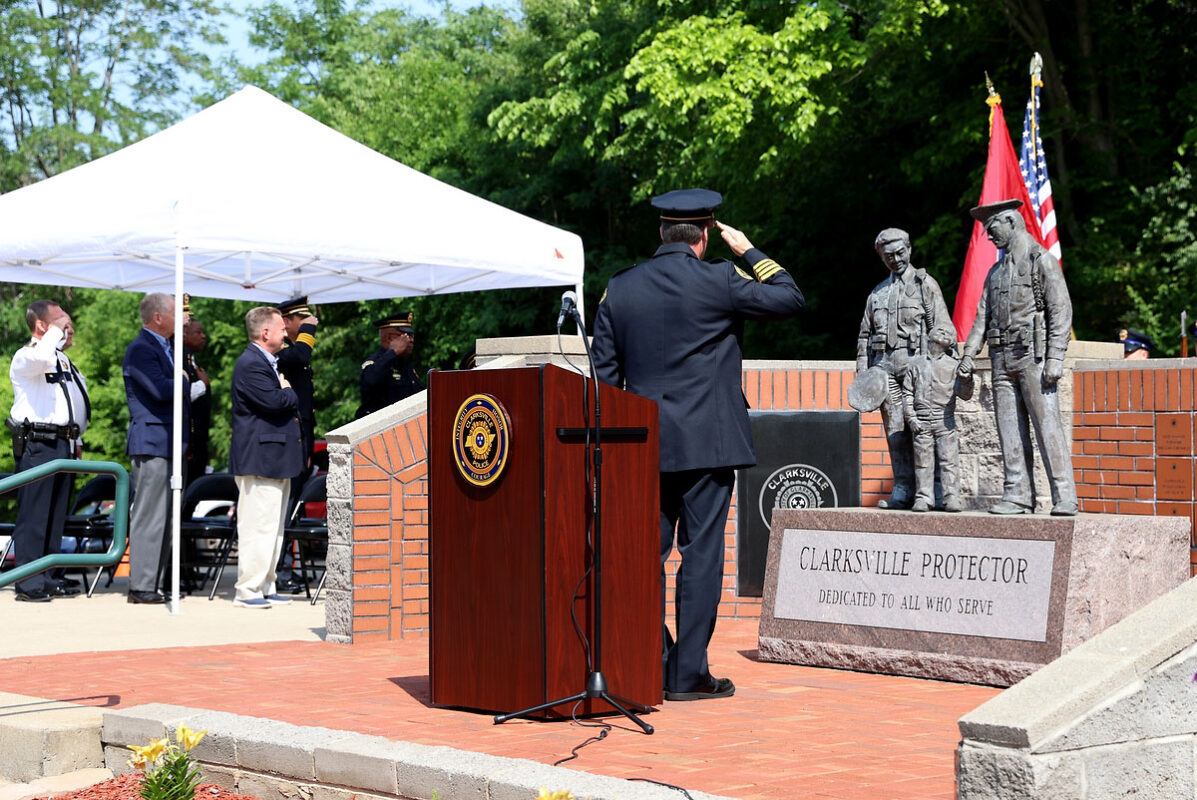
(596, 682)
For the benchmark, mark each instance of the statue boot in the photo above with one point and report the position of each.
(901, 459)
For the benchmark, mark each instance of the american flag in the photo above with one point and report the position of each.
(1033, 164)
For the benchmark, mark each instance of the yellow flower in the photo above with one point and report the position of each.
(558, 795)
(148, 754)
(188, 738)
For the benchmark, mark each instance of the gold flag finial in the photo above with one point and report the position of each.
(989, 84)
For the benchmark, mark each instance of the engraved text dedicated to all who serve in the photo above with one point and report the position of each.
(998, 588)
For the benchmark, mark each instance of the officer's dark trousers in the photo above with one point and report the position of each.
(695, 504)
(41, 512)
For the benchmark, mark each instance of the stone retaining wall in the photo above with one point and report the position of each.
(1111, 719)
(274, 760)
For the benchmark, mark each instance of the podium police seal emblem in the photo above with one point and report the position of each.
(481, 439)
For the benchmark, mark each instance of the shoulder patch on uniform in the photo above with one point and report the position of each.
(366, 364)
(744, 275)
(604, 297)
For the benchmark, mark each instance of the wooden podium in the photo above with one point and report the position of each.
(507, 558)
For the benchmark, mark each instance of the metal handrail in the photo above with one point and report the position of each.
(120, 517)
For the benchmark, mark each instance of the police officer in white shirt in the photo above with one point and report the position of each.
(50, 412)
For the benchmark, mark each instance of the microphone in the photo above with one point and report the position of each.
(569, 305)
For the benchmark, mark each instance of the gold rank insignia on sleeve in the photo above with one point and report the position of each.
(306, 338)
(765, 269)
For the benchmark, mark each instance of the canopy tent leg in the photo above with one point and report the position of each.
(176, 477)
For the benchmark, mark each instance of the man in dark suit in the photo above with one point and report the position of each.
(388, 375)
(265, 453)
(149, 389)
(669, 329)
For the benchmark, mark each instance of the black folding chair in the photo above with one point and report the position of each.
(208, 541)
(309, 533)
(90, 521)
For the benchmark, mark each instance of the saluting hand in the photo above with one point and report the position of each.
(735, 239)
(309, 320)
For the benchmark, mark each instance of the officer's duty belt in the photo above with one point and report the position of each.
(47, 430)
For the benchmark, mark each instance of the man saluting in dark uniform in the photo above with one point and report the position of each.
(669, 330)
(295, 364)
(388, 375)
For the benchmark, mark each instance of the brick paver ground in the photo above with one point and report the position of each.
(789, 731)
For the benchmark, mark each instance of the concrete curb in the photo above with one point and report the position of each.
(278, 761)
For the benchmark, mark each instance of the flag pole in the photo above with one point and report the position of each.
(1036, 82)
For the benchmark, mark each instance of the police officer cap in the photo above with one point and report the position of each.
(983, 213)
(298, 305)
(1133, 340)
(695, 206)
(403, 321)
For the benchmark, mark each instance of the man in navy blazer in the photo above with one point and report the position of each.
(266, 452)
(669, 329)
(149, 374)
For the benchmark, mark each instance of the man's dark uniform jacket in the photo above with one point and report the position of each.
(386, 378)
(201, 423)
(669, 330)
(295, 364)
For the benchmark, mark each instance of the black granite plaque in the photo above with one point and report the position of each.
(804, 459)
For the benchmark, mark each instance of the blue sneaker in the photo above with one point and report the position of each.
(277, 600)
(253, 602)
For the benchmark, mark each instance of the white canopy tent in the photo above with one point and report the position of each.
(251, 199)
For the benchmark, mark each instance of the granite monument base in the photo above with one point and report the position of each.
(964, 597)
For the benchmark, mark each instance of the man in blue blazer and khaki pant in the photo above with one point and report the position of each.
(265, 454)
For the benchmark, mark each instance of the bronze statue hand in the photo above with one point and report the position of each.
(966, 367)
(1053, 370)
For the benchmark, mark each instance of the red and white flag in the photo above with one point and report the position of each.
(1003, 181)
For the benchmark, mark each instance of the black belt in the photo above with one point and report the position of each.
(57, 431)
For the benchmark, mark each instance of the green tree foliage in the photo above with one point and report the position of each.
(79, 78)
(821, 122)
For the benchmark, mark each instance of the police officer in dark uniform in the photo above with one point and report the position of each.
(295, 364)
(670, 329)
(50, 411)
(388, 375)
(195, 340)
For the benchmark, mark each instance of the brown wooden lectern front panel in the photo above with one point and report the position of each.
(507, 558)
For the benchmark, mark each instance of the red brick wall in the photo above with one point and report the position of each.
(1133, 441)
(390, 534)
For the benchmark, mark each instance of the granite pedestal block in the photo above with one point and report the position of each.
(965, 597)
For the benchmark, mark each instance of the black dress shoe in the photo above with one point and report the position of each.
(146, 597)
(61, 590)
(719, 687)
(34, 596)
(70, 583)
(290, 587)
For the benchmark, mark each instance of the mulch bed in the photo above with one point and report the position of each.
(128, 787)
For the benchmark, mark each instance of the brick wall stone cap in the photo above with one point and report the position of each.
(384, 419)
(1119, 364)
(1060, 694)
(528, 345)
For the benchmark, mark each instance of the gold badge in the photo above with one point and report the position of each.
(481, 439)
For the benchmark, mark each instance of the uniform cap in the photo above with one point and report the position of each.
(298, 305)
(695, 206)
(983, 213)
(403, 321)
(1134, 340)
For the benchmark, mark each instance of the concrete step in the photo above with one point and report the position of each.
(55, 785)
(43, 738)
